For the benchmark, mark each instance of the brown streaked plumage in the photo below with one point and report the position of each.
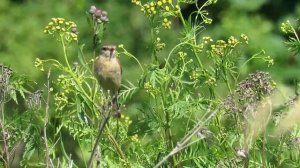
(108, 71)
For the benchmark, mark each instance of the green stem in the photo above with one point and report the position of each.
(117, 146)
(70, 71)
(154, 55)
(196, 55)
(296, 35)
(182, 19)
(65, 51)
(253, 57)
(167, 125)
(131, 56)
(226, 79)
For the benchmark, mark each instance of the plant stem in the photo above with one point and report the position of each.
(154, 55)
(62, 41)
(100, 131)
(4, 135)
(117, 147)
(47, 120)
(182, 19)
(183, 143)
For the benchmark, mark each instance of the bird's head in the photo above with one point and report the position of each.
(108, 51)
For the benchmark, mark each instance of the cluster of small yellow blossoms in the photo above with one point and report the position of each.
(166, 23)
(195, 75)
(207, 39)
(232, 41)
(219, 47)
(287, 27)
(58, 26)
(182, 55)
(162, 7)
(211, 81)
(135, 138)
(269, 61)
(199, 47)
(149, 88)
(149, 8)
(159, 45)
(39, 64)
(65, 83)
(244, 38)
(60, 101)
(126, 120)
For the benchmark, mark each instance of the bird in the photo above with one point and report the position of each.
(108, 72)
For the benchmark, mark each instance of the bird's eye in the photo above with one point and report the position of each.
(104, 48)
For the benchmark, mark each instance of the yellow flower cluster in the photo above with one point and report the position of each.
(60, 101)
(199, 47)
(159, 45)
(39, 64)
(135, 138)
(287, 27)
(244, 38)
(166, 23)
(232, 41)
(149, 8)
(195, 75)
(149, 88)
(162, 7)
(61, 27)
(65, 83)
(211, 81)
(207, 39)
(182, 55)
(269, 61)
(126, 120)
(219, 47)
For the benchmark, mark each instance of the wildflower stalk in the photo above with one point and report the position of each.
(4, 136)
(104, 121)
(184, 142)
(47, 155)
(154, 55)
(117, 147)
(64, 50)
(295, 33)
(182, 19)
(125, 52)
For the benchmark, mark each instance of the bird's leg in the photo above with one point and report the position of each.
(115, 106)
(107, 102)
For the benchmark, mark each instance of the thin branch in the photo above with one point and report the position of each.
(184, 141)
(47, 120)
(104, 121)
(4, 135)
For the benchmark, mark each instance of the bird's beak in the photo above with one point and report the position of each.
(111, 53)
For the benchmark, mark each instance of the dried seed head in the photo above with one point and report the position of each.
(100, 16)
(92, 9)
(241, 153)
(249, 91)
(203, 133)
(34, 100)
(255, 86)
(5, 88)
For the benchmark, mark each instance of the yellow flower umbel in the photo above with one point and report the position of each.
(58, 27)
(163, 9)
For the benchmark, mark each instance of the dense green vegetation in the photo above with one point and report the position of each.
(205, 84)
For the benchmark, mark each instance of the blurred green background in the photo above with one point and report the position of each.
(23, 40)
